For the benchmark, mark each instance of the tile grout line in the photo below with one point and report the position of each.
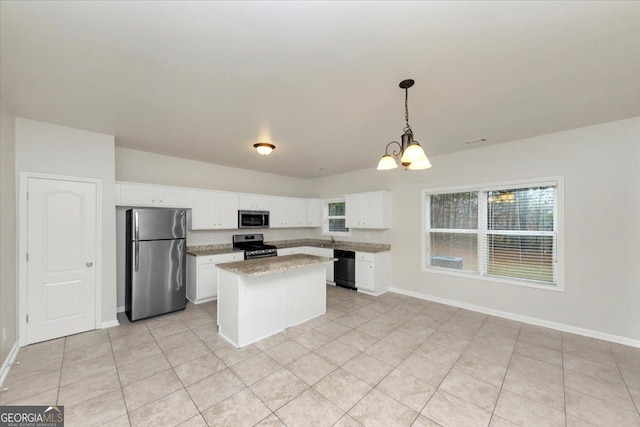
(505, 374)
(624, 381)
(340, 366)
(64, 346)
(454, 363)
(382, 379)
(126, 408)
(396, 367)
(173, 367)
(247, 387)
(398, 364)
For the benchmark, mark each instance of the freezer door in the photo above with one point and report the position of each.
(158, 278)
(157, 224)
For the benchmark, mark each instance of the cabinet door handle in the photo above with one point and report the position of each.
(89, 264)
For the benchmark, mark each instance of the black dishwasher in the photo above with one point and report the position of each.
(344, 270)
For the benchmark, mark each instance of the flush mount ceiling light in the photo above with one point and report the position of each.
(264, 148)
(409, 152)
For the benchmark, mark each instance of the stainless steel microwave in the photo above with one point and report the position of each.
(253, 219)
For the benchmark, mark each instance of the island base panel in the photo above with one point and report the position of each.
(254, 308)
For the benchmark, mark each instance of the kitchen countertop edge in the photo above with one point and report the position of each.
(270, 265)
(209, 250)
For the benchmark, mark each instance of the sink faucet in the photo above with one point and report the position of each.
(333, 241)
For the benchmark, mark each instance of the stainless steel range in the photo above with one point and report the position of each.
(253, 246)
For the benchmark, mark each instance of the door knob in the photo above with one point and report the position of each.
(89, 264)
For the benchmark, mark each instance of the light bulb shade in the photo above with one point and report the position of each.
(412, 153)
(420, 164)
(386, 163)
(264, 148)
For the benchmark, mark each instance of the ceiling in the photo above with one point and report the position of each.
(206, 80)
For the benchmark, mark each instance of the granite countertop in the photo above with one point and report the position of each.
(264, 266)
(211, 250)
(326, 244)
(220, 249)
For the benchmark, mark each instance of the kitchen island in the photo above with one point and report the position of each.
(261, 297)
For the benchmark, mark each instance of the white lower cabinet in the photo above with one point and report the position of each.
(364, 275)
(325, 252)
(202, 275)
(373, 272)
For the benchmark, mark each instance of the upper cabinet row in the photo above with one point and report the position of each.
(218, 210)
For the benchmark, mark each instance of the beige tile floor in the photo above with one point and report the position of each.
(383, 361)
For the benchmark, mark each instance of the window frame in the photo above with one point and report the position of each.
(557, 181)
(326, 217)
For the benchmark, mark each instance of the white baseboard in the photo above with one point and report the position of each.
(109, 324)
(373, 294)
(120, 309)
(8, 361)
(526, 319)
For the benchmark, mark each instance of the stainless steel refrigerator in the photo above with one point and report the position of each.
(156, 259)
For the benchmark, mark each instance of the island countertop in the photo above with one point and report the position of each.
(263, 266)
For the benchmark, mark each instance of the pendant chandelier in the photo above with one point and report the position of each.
(409, 152)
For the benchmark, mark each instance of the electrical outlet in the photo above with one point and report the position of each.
(4, 334)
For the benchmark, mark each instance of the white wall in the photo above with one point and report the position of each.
(46, 148)
(8, 295)
(140, 166)
(601, 166)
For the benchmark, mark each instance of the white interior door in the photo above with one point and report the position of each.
(61, 268)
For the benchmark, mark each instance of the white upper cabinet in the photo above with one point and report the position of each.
(314, 212)
(175, 197)
(137, 195)
(153, 195)
(296, 212)
(254, 202)
(368, 210)
(218, 210)
(215, 210)
(277, 212)
(287, 212)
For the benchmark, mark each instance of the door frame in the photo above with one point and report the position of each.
(23, 270)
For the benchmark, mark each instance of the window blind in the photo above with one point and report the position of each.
(453, 231)
(520, 236)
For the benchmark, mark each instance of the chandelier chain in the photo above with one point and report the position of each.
(407, 127)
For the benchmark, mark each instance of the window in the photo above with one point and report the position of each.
(333, 217)
(505, 232)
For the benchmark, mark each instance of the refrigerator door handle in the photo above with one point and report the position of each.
(136, 226)
(136, 249)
